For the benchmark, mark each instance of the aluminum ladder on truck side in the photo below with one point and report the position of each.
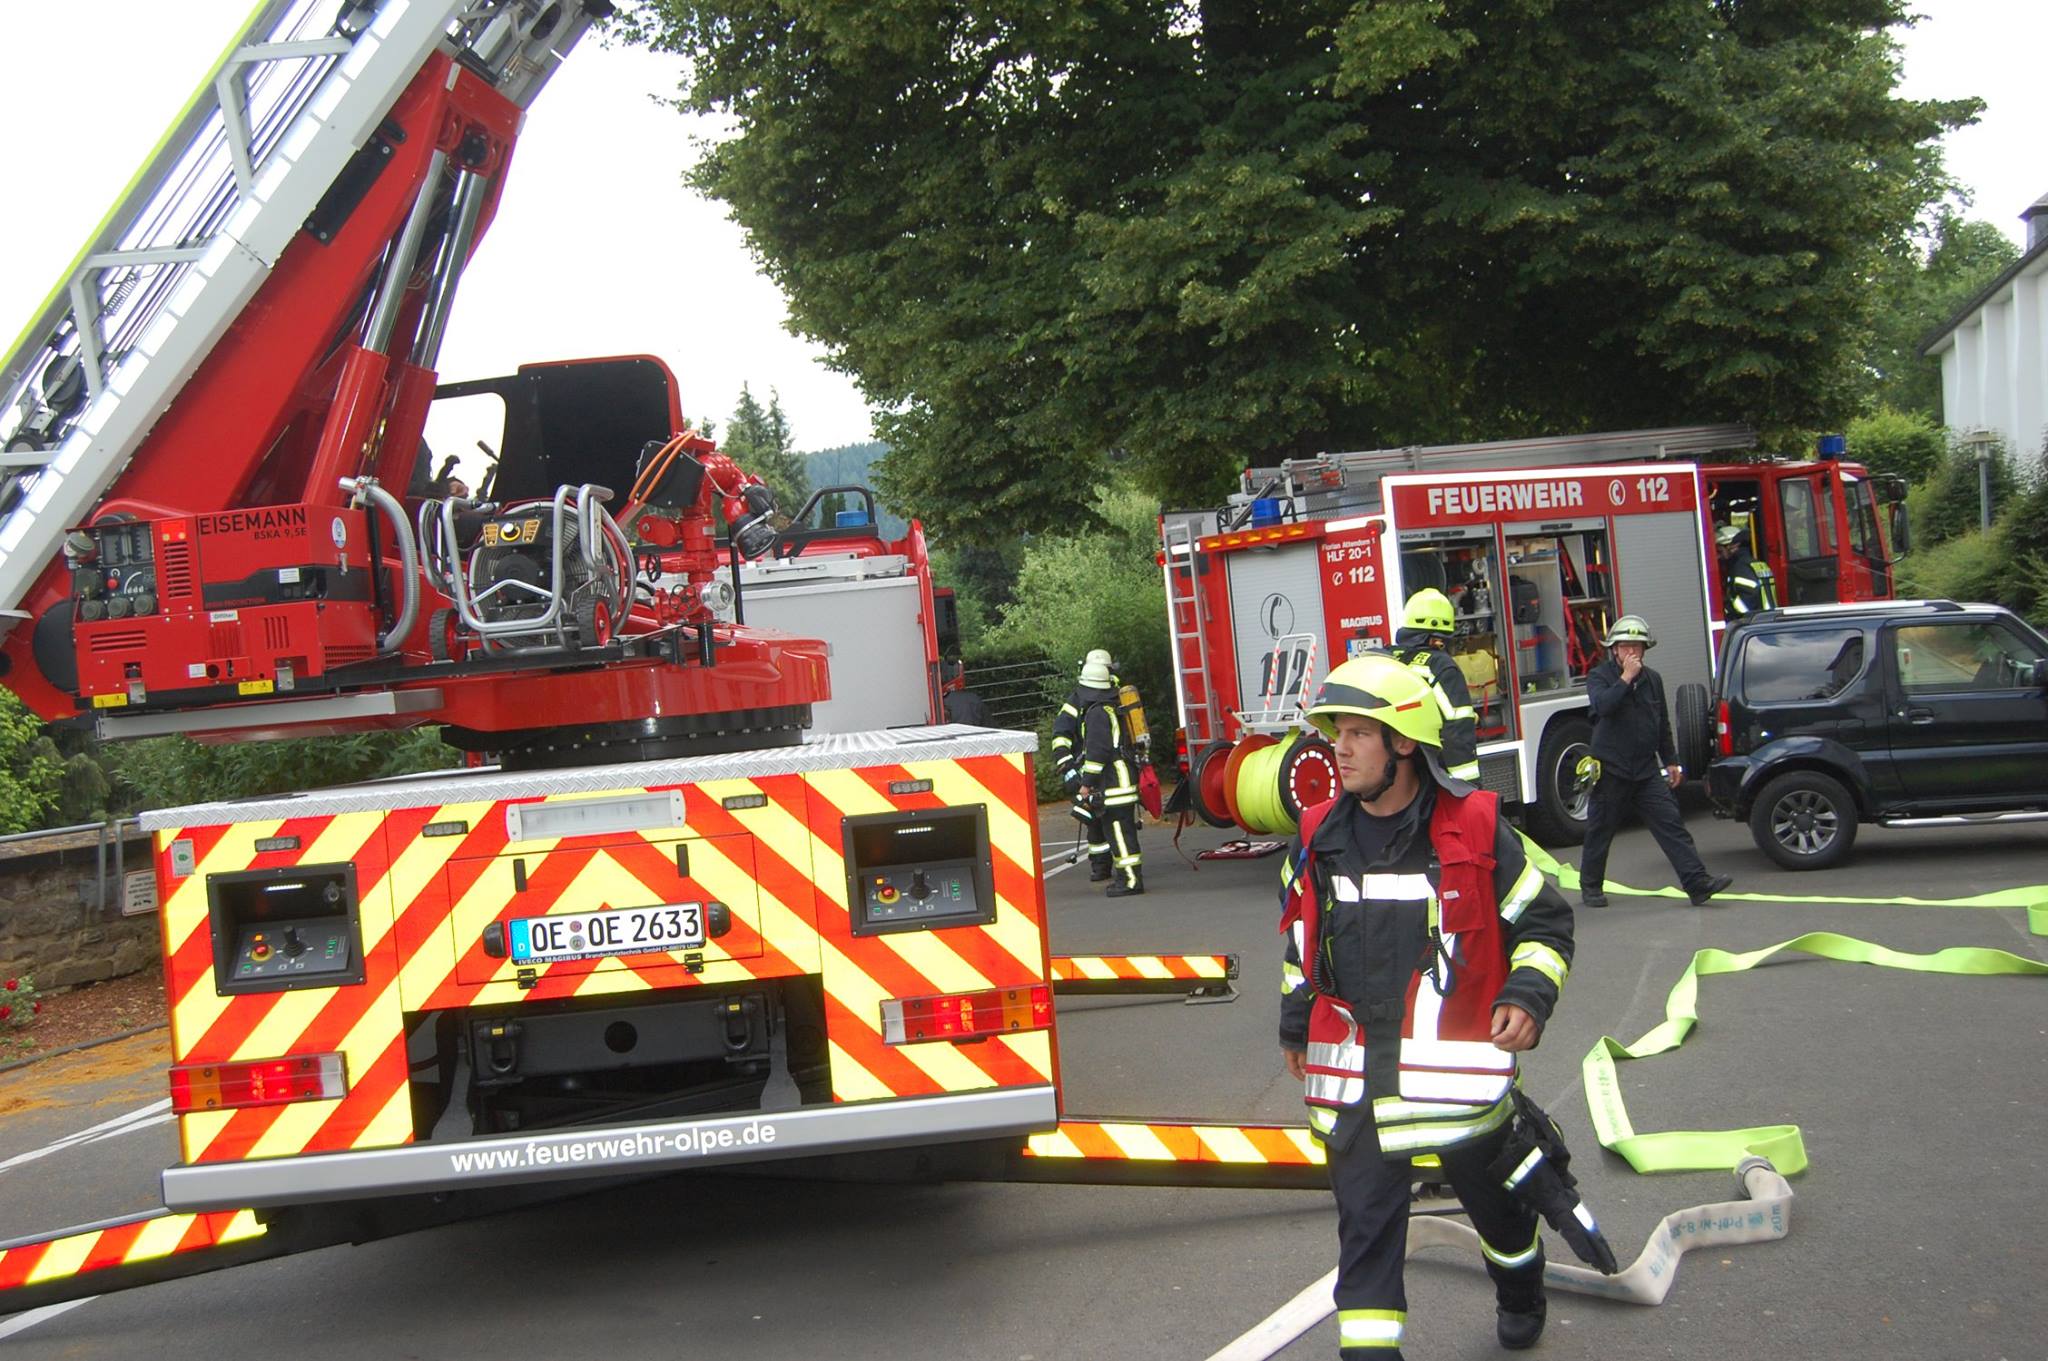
(1187, 618)
(198, 230)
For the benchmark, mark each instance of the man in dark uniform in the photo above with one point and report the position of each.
(1427, 626)
(1632, 742)
(1423, 953)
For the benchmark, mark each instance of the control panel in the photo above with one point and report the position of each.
(919, 870)
(279, 929)
(922, 891)
(293, 949)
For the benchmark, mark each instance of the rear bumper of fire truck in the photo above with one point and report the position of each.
(612, 1150)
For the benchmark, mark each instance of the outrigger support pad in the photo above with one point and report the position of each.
(1199, 978)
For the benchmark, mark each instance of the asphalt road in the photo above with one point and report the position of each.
(1919, 1095)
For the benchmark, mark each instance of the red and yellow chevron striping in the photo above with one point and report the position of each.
(439, 882)
(1174, 1141)
(1205, 978)
(116, 1245)
(1101, 968)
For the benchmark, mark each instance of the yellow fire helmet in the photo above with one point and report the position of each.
(1377, 686)
(1430, 611)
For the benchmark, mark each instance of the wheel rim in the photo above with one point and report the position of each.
(1805, 823)
(1577, 803)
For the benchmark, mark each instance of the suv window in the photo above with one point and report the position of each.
(1962, 656)
(1783, 666)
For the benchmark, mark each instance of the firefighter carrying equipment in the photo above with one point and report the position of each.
(1447, 912)
(1535, 1166)
(1630, 628)
(1429, 611)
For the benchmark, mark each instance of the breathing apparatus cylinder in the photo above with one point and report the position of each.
(1134, 715)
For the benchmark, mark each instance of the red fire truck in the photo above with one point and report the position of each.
(1540, 544)
(673, 927)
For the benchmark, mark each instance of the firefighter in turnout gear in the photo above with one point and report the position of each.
(1098, 761)
(1422, 952)
(1427, 626)
(1638, 767)
(1747, 585)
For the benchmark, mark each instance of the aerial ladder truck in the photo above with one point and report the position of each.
(664, 925)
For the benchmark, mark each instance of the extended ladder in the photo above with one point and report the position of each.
(240, 173)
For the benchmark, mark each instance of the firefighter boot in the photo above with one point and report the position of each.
(1715, 884)
(1120, 889)
(1519, 1327)
(1098, 869)
(1519, 1305)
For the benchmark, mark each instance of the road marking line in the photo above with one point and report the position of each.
(155, 1113)
(1069, 849)
(21, 1323)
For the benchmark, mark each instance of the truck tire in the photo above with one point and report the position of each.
(1804, 820)
(1558, 816)
(1694, 730)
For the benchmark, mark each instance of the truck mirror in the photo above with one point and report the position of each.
(1902, 530)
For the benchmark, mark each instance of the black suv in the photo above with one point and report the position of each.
(1903, 712)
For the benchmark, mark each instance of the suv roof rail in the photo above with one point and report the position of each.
(1856, 607)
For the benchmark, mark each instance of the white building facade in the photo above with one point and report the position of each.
(1994, 352)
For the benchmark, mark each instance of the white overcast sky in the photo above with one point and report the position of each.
(598, 249)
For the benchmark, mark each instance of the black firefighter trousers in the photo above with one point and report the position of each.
(1651, 797)
(1372, 1238)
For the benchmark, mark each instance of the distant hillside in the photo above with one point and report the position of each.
(848, 466)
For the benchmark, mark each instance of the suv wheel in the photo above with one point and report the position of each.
(1804, 820)
(1563, 810)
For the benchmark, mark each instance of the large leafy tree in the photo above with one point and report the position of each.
(1206, 234)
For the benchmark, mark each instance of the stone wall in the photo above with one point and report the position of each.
(61, 918)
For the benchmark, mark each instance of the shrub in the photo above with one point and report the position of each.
(1906, 443)
(1948, 502)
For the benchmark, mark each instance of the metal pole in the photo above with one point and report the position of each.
(1984, 484)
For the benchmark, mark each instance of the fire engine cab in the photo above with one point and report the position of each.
(1540, 545)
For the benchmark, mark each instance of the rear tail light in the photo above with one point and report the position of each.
(258, 1082)
(1724, 735)
(967, 1015)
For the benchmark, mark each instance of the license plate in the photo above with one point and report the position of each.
(615, 931)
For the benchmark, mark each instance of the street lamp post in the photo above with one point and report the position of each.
(1984, 442)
